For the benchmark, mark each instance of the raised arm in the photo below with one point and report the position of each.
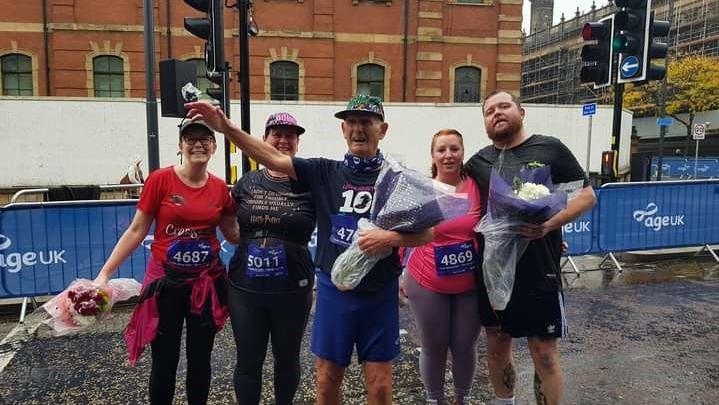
(129, 241)
(254, 147)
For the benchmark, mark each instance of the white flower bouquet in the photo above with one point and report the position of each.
(516, 198)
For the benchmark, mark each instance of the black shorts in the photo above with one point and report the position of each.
(528, 314)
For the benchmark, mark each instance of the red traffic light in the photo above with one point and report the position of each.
(595, 30)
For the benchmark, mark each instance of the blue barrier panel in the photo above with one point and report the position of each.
(655, 215)
(672, 167)
(581, 234)
(44, 246)
(706, 168)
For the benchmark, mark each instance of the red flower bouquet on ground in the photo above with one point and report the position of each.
(87, 304)
(83, 303)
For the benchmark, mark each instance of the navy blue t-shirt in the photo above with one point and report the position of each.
(341, 197)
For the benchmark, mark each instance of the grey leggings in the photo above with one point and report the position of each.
(445, 321)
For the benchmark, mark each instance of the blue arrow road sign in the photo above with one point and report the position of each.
(629, 66)
(589, 109)
(664, 121)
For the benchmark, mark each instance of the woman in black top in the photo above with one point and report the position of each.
(271, 273)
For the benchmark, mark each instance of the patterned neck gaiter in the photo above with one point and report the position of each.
(359, 165)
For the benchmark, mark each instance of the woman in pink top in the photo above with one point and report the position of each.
(440, 284)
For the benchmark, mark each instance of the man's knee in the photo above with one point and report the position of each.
(545, 353)
(329, 375)
(378, 377)
(499, 345)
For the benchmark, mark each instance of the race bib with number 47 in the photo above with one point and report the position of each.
(344, 228)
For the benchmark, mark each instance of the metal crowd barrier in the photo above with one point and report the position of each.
(646, 216)
(676, 168)
(20, 193)
(46, 245)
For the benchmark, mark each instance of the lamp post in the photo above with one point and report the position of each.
(245, 29)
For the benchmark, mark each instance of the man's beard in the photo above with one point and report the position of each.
(504, 135)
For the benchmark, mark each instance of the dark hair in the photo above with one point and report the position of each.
(514, 98)
(441, 132)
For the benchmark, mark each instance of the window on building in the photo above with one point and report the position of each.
(467, 81)
(16, 75)
(109, 76)
(203, 83)
(370, 80)
(284, 80)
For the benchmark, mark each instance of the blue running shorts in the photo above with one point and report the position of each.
(369, 320)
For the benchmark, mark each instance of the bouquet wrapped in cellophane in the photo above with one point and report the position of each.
(84, 303)
(404, 201)
(519, 194)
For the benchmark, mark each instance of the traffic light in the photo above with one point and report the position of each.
(657, 49)
(211, 29)
(632, 25)
(597, 57)
(609, 164)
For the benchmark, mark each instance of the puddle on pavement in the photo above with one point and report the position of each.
(644, 273)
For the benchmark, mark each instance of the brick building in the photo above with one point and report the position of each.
(433, 51)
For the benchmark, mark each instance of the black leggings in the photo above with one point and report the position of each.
(255, 318)
(173, 305)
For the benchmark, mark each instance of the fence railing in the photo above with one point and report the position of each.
(46, 245)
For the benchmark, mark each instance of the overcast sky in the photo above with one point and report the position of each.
(568, 7)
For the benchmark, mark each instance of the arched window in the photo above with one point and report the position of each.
(203, 83)
(370, 80)
(16, 75)
(284, 80)
(467, 81)
(109, 76)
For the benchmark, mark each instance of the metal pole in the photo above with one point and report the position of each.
(662, 104)
(226, 109)
(617, 119)
(244, 76)
(696, 159)
(153, 148)
(589, 143)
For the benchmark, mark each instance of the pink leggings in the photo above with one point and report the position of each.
(445, 322)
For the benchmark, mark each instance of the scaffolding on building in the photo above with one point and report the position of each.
(551, 57)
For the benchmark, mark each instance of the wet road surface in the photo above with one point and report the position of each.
(648, 335)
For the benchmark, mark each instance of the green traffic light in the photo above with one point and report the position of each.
(618, 43)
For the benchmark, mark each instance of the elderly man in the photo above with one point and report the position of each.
(536, 307)
(367, 317)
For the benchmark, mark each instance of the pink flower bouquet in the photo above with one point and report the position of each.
(83, 303)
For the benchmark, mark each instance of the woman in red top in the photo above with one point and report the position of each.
(440, 284)
(185, 279)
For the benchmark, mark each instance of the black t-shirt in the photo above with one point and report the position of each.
(275, 226)
(341, 197)
(539, 266)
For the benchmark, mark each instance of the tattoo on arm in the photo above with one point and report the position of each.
(538, 396)
(509, 377)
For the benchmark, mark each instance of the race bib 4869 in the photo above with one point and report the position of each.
(456, 258)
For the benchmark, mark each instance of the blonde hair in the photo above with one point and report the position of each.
(442, 132)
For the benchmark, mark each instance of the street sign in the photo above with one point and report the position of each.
(699, 132)
(629, 67)
(589, 109)
(664, 121)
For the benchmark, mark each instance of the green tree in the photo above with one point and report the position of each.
(692, 87)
